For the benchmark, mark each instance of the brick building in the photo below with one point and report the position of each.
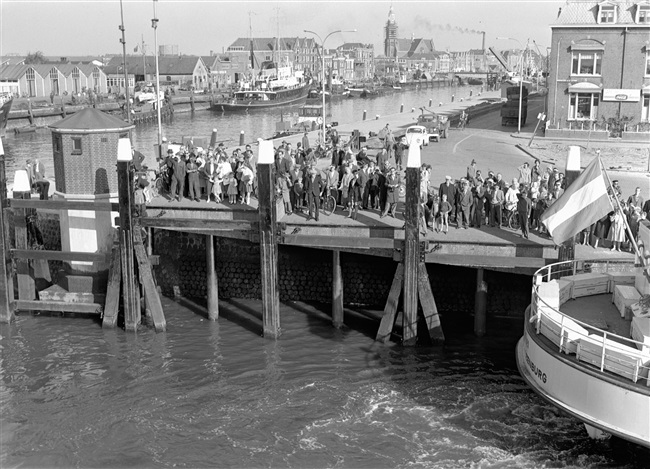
(85, 152)
(599, 78)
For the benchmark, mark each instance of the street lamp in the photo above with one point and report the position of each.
(322, 42)
(154, 25)
(521, 78)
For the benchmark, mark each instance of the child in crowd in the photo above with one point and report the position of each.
(232, 189)
(445, 208)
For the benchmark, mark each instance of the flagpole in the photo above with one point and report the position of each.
(618, 204)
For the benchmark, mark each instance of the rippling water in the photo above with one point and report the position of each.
(217, 394)
(256, 124)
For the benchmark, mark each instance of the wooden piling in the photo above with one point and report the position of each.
(112, 305)
(6, 276)
(480, 304)
(30, 111)
(212, 283)
(411, 253)
(268, 240)
(242, 137)
(337, 290)
(26, 284)
(125, 200)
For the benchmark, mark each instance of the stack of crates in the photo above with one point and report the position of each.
(510, 109)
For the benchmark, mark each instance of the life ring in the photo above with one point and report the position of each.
(402, 190)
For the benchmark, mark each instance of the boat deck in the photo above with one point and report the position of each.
(598, 311)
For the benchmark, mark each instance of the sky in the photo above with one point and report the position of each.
(90, 27)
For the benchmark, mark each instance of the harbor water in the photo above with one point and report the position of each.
(217, 394)
(255, 124)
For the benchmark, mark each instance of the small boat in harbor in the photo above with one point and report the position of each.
(474, 81)
(586, 343)
(6, 100)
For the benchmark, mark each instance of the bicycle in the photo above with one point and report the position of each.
(510, 218)
(328, 202)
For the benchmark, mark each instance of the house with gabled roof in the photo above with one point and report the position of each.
(183, 71)
(52, 79)
(599, 77)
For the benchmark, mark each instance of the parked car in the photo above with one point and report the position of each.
(434, 125)
(417, 135)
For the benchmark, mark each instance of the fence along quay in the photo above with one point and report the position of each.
(130, 260)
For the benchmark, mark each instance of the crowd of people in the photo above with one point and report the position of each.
(224, 177)
(357, 181)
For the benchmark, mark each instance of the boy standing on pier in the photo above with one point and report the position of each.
(178, 178)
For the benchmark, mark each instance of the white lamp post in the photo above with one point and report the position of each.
(521, 78)
(154, 25)
(322, 42)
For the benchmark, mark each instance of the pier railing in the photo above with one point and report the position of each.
(605, 351)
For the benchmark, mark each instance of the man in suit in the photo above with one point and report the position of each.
(178, 178)
(449, 189)
(313, 188)
(524, 207)
(465, 200)
(42, 184)
(364, 186)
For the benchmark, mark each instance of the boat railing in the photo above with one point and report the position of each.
(605, 350)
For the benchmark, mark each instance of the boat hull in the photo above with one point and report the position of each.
(284, 98)
(606, 403)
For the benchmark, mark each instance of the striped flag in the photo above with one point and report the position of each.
(584, 202)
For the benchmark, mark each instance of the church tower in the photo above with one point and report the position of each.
(390, 35)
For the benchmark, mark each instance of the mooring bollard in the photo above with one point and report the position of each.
(452, 98)
(470, 92)
(440, 104)
(376, 117)
(213, 138)
(241, 138)
(401, 108)
(364, 114)
(430, 101)
(412, 109)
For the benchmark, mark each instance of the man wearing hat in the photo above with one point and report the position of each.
(471, 170)
(178, 178)
(392, 196)
(524, 207)
(192, 169)
(305, 142)
(525, 173)
(449, 189)
(382, 160)
(313, 189)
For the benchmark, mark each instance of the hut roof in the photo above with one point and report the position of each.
(90, 120)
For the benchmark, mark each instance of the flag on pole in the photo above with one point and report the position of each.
(584, 202)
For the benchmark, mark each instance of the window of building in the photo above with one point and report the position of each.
(54, 81)
(76, 146)
(583, 106)
(645, 109)
(31, 82)
(643, 13)
(607, 13)
(586, 63)
(57, 144)
(647, 63)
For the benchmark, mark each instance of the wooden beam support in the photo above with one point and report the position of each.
(58, 306)
(268, 241)
(112, 305)
(316, 241)
(97, 206)
(212, 281)
(125, 198)
(58, 255)
(411, 255)
(151, 296)
(390, 310)
(26, 285)
(198, 223)
(429, 308)
(480, 304)
(337, 290)
(6, 275)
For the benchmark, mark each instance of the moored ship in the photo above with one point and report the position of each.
(272, 88)
(586, 343)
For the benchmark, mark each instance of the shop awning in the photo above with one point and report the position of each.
(584, 87)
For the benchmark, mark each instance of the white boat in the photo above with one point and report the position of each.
(587, 355)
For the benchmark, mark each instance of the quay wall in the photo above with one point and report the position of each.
(305, 274)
